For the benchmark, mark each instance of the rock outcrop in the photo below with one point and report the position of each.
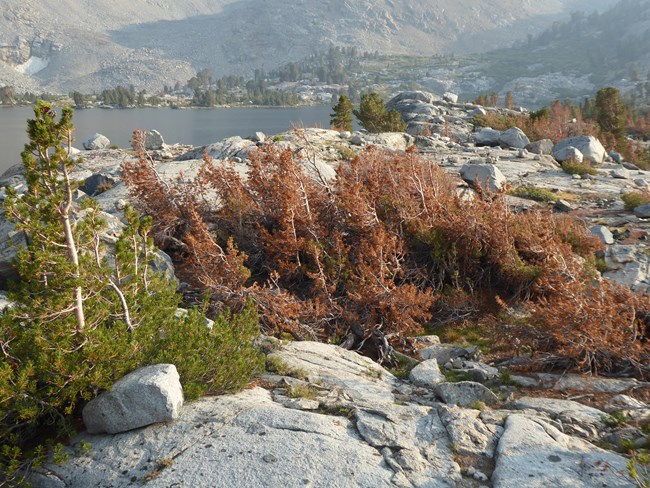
(533, 453)
(335, 418)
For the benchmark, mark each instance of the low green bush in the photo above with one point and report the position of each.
(634, 199)
(533, 193)
(576, 168)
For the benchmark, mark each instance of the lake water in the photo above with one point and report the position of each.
(193, 126)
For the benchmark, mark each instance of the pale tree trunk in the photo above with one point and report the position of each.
(74, 259)
(72, 250)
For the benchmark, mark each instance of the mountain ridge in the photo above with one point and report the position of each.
(151, 42)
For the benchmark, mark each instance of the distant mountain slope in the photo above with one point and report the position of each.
(75, 44)
(577, 57)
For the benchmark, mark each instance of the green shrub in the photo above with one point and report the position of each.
(614, 419)
(634, 199)
(533, 193)
(638, 468)
(576, 168)
(276, 364)
(301, 391)
(456, 376)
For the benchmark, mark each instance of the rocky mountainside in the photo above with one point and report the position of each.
(572, 59)
(69, 45)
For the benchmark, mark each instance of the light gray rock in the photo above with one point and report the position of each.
(487, 137)
(624, 402)
(631, 407)
(603, 233)
(426, 374)
(357, 377)
(543, 146)
(564, 206)
(5, 302)
(445, 352)
(450, 97)
(146, 396)
(468, 434)
(533, 454)
(226, 149)
(589, 146)
(565, 409)
(479, 111)
(630, 265)
(153, 140)
(417, 443)
(488, 176)
(465, 393)
(427, 340)
(514, 137)
(480, 372)
(258, 137)
(410, 96)
(569, 153)
(96, 141)
(243, 440)
(621, 173)
(394, 141)
(357, 139)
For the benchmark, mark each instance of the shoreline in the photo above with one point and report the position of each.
(183, 107)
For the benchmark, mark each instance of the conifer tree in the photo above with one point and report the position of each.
(84, 315)
(374, 117)
(341, 119)
(610, 112)
(43, 213)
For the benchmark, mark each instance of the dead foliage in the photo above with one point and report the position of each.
(365, 260)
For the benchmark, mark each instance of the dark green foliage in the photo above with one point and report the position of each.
(374, 117)
(610, 113)
(341, 119)
(51, 365)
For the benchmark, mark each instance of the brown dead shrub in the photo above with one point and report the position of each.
(369, 258)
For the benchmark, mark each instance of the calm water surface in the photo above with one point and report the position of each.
(195, 127)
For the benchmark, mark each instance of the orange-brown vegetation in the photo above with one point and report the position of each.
(556, 122)
(387, 247)
(561, 120)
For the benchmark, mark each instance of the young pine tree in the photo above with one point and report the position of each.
(85, 315)
(341, 119)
